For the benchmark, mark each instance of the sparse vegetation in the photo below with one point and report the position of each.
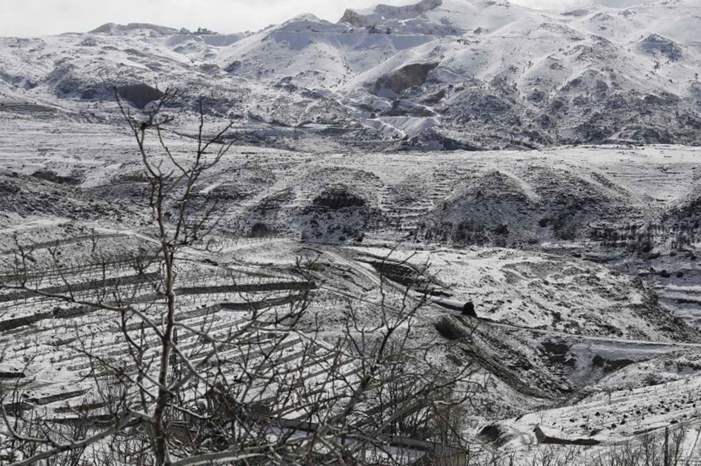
(447, 233)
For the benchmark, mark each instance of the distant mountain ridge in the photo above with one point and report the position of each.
(437, 74)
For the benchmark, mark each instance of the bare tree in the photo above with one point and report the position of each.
(172, 182)
(179, 381)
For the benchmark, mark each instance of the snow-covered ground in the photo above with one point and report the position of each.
(439, 74)
(580, 258)
(560, 320)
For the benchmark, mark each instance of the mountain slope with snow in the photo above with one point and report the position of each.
(438, 74)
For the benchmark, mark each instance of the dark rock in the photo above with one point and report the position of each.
(451, 329)
(404, 78)
(338, 197)
(544, 438)
(655, 44)
(468, 310)
(48, 175)
(259, 230)
(139, 95)
(609, 365)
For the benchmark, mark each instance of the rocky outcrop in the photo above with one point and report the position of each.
(381, 12)
(546, 437)
(69, 82)
(113, 28)
(655, 44)
(404, 78)
(354, 19)
(338, 197)
(139, 95)
(408, 11)
(336, 215)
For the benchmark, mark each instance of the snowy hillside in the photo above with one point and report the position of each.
(440, 74)
(529, 179)
(612, 307)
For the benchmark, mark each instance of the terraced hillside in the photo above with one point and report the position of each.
(632, 208)
(528, 347)
(64, 341)
(579, 263)
(506, 200)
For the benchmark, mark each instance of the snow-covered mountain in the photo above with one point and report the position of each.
(568, 277)
(435, 74)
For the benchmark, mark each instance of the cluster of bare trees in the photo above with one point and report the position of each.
(177, 384)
